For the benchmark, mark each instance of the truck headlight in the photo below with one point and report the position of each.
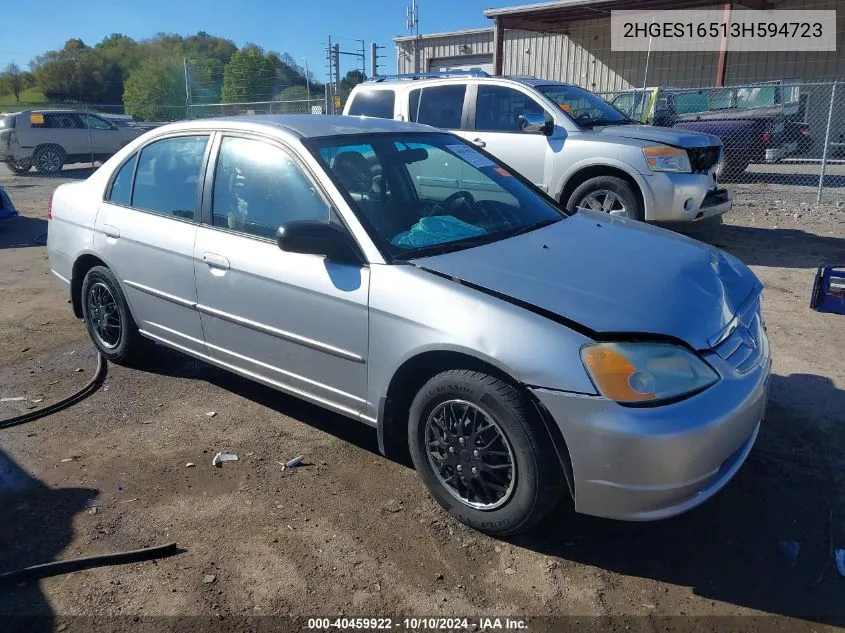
(667, 158)
(645, 372)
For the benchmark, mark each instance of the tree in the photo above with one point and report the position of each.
(349, 81)
(296, 100)
(249, 76)
(155, 91)
(13, 80)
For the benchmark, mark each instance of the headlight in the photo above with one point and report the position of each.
(645, 372)
(666, 158)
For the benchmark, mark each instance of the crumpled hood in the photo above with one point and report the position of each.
(667, 135)
(611, 275)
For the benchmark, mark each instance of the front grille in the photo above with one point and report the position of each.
(746, 345)
(703, 158)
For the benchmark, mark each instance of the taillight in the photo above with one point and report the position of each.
(765, 137)
(805, 131)
(50, 208)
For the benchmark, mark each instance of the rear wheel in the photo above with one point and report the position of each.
(108, 320)
(50, 159)
(608, 194)
(482, 452)
(19, 168)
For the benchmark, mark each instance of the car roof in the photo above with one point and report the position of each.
(309, 125)
(380, 84)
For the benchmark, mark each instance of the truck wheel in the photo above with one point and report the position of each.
(19, 168)
(610, 194)
(482, 453)
(50, 159)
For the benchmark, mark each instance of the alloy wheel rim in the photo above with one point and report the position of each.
(50, 160)
(470, 455)
(605, 201)
(104, 315)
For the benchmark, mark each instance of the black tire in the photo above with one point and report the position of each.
(538, 476)
(619, 186)
(49, 159)
(19, 168)
(129, 347)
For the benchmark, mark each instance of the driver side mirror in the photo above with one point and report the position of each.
(535, 123)
(317, 238)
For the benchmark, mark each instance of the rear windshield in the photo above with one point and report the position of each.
(375, 103)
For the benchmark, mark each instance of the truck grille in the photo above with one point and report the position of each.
(747, 344)
(703, 158)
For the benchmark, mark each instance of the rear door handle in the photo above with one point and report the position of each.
(111, 231)
(479, 142)
(215, 261)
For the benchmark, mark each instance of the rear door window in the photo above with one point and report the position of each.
(167, 176)
(374, 103)
(440, 106)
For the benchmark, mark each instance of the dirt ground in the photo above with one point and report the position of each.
(353, 533)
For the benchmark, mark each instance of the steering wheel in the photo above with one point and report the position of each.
(584, 116)
(465, 196)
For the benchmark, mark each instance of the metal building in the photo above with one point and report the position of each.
(569, 40)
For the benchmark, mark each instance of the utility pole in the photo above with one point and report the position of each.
(413, 15)
(307, 87)
(373, 60)
(187, 89)
(337, 70)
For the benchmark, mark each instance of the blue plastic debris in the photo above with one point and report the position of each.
(7, 209)
(829, 290)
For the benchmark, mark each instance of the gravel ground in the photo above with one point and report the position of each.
(353, 533)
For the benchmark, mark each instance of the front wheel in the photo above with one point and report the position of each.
(607, 194)
(483, 453)
(108, 320)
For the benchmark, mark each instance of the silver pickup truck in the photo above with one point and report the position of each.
(566, 140)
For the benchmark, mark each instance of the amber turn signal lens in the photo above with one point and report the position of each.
(612, 372)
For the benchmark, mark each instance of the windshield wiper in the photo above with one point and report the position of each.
(532, 227)
(609, 122)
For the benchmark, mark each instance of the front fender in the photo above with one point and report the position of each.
(413, 312)
(573, 169)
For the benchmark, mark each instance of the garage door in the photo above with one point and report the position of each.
(444, 64)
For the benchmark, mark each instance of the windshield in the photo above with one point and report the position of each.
(424, 194)
(585, 108)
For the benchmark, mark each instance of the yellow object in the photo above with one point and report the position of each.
(336, 101)
(612, 372)
(36, 118)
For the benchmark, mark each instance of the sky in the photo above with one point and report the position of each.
(300, 28)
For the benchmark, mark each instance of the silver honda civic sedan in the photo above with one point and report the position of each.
(399, 276)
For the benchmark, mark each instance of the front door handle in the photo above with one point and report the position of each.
(479, 142)
(216, 261)
(111, 231)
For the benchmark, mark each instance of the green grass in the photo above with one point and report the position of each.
(30, 95)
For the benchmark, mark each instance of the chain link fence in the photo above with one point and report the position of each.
(780, 139)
